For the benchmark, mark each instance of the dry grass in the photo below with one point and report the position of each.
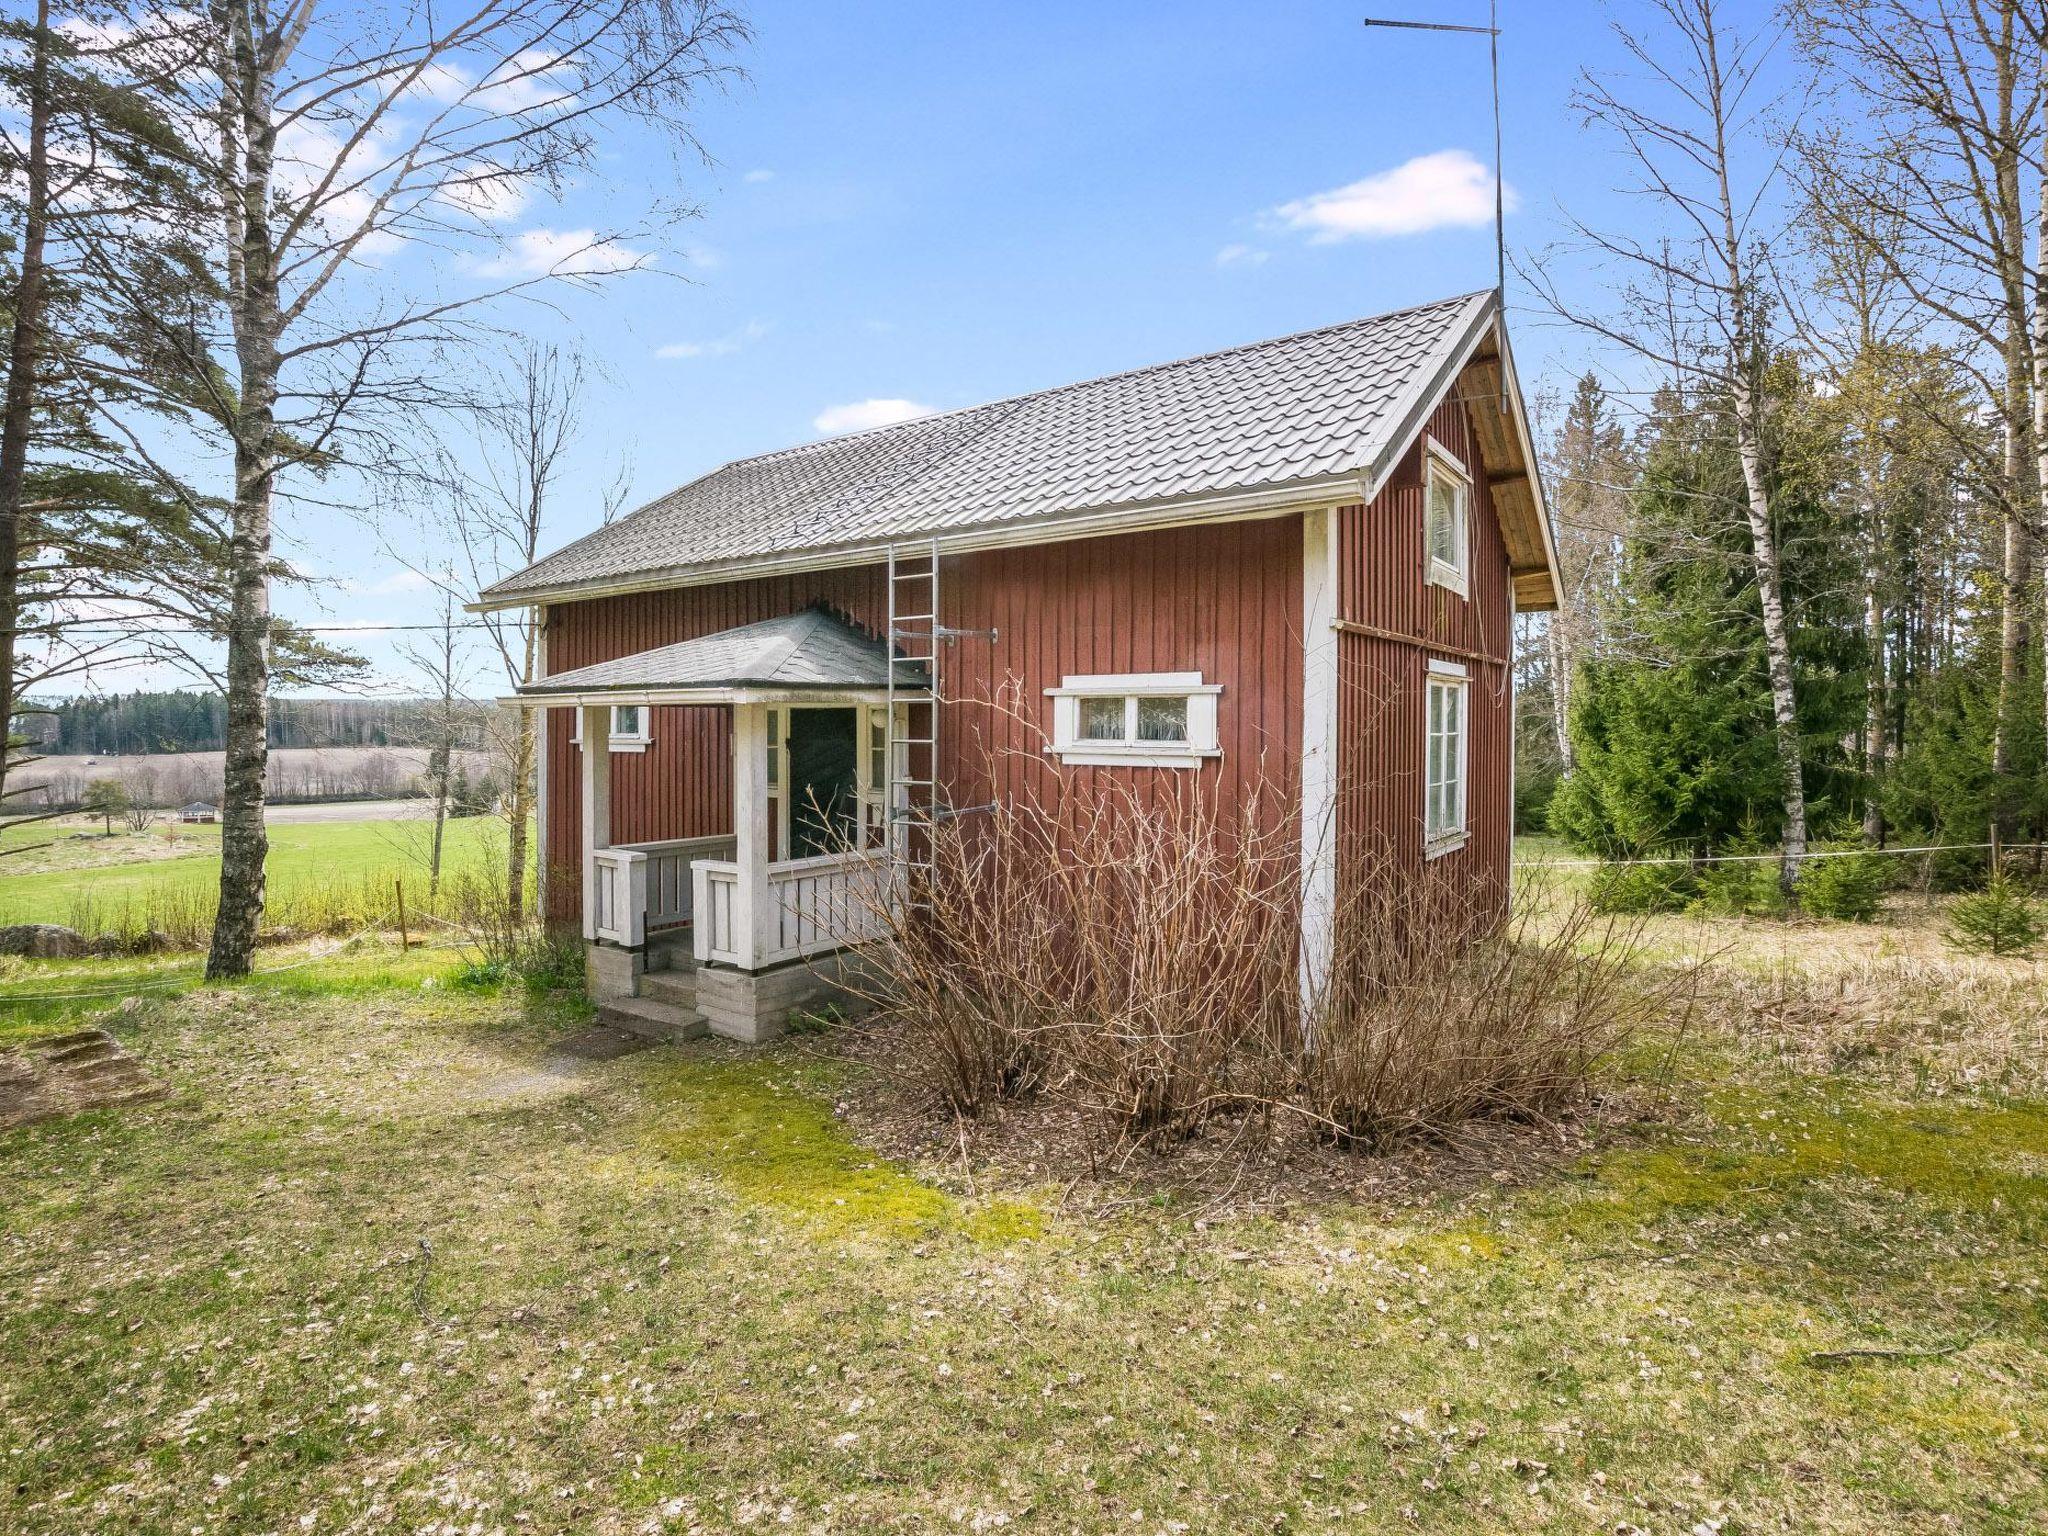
(671, 1292)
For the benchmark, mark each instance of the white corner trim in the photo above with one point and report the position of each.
(1318, 777)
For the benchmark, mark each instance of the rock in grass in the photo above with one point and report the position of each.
(43, 941)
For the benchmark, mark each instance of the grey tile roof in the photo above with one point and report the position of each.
(812, 649)
(1319, 404)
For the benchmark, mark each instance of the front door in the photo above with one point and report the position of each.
(824, 794)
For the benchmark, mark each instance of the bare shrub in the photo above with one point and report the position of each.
(1442, 1009)
(1133, 952)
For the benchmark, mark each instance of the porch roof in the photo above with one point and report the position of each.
(792, 656)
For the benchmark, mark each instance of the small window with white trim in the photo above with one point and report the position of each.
(1447, 506)
(629, 727)
(873, 779)
(1150, 719)
(1443, 797)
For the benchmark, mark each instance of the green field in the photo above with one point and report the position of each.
(324, 877)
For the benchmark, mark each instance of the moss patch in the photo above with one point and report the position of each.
(762, 1128)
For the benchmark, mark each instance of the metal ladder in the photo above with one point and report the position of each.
(913, 642)
(914, 803)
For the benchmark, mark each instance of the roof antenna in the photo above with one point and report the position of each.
(1491, 32)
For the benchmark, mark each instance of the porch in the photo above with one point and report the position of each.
(728, 931)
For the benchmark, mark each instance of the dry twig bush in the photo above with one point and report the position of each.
(1132, 952)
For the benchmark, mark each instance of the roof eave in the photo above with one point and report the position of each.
(1536, 587)
(539, 696)
(1129, 517)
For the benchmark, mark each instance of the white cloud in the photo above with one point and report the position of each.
(861, 415)
(562, 253)
(756, 177)
(1241, 256)
(1445, 190)
(717, 346)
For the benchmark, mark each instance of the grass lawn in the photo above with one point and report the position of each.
(375, 1266)
(321, 874)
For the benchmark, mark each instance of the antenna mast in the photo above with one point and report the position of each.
(1491, 32)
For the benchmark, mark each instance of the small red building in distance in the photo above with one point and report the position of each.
(1295, 563)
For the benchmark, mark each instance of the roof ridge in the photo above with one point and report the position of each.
(1105, 378)
(1311, 402)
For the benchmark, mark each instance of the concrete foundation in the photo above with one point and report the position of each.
(610, 972)
(754, 1006)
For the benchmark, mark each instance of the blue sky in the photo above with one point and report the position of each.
(943, 203)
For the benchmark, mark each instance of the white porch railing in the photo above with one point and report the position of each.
(805, 907)
(642, 888)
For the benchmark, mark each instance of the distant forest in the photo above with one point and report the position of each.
(130, 724)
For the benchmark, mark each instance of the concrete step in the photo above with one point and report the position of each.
(676, 988)
(654, 1018)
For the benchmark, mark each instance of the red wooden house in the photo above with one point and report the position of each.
(1295, 563)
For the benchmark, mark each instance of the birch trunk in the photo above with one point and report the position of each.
(1763, 540)
(2037, 340)
(253, 306)
(24, 356)
(2011, 603)
(1876, 700)
(1559, 644)
(2017, 344)
(1743, 354)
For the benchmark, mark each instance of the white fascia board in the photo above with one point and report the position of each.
(1285, 500)
(647, 697)
(1453, 354)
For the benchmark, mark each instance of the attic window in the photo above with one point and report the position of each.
(1142, 719)
(629, 727)
(1447, 500)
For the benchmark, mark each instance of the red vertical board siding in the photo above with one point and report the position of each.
(1222, 599)
(1381, 683)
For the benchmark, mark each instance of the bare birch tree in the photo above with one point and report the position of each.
(447, 710)
(1691, 300)
(343, 140)
(493, 502)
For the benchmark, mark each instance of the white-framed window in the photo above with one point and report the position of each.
(1446, 518)
(1149, 719)
(629, 727)
(1445, 728)
(874, 776)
